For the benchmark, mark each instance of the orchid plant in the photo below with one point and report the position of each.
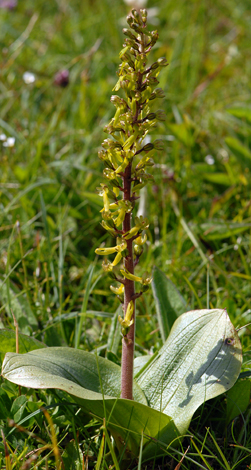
(201, 353)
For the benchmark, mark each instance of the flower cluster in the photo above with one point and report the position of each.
(126, 155)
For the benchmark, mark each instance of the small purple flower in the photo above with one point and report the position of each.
(62, 78)
(8, 4)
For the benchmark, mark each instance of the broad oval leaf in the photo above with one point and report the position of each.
(200, 360)
(86, 378)
(71, 370)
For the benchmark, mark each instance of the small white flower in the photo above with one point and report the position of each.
(10, 142)
(233, 50)
(209, 160)
(37, 271)
(28, 78)
(3, 137)
(136, 3)
(231, 53)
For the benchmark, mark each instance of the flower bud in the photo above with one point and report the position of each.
(110, 129)
(136, 16)
(111, 144)
(154, 37)
(145, 288)
(154, 66)
(125, 57)
(138, 250)
(119, 102)
(152, 81)
(124, 331)
(148, 147)
(144, 15)
(150, 117)
(143, 86)
(128, 33)
(133, 51)
(160, 115)
(138, 96)
(125, 85)
(158, 93)
(158, 144)
(129, 20)
(104, 157)
(138, 29)
(162, 62)
(130, 43)
(112, 232)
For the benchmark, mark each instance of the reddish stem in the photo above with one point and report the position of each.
(128, 340)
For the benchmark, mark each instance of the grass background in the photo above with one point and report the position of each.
(200, 213)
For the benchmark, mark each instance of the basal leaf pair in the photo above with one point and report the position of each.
(200, 360)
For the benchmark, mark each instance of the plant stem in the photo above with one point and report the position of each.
(129, 340)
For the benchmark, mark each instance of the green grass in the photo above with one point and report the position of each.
(48, 183)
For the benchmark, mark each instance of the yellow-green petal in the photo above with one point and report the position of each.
(105, 251)
(130, 276)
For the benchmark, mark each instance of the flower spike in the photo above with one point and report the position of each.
(127, 156)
